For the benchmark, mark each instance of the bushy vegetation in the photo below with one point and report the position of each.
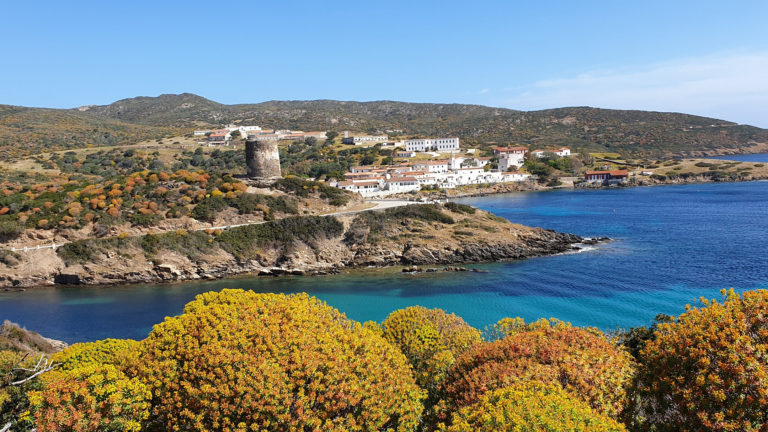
(237, 360)
(305, 188)
(243, 242)
(708, 369)
(273, 362)
(459, 208)
(530, 407)
(372, 226)
(582, 361)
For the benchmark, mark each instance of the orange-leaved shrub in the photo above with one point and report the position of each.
(530, 407)
(582, 361)
(708, 370)
(89, 398)
(237, 360)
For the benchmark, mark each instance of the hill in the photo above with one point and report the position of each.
(632, 133)
(629, 132)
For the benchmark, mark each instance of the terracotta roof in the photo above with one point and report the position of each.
(612, 172)
(510, 149)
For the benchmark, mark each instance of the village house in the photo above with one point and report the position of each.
(372, 181)
(607, 177)
(357, 140)
(561, 152)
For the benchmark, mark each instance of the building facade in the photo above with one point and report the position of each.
(437, 144)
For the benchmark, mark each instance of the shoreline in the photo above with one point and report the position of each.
(424, 236)
(544, 188)
(587, 244)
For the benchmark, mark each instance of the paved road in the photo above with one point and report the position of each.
(379, 205)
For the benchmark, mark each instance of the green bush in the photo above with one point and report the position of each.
(459, 208)
(207, 209)
(191, 244)
(243, 242)
(143, 220)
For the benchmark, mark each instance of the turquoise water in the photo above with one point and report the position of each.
(672, 245)
(759, 157)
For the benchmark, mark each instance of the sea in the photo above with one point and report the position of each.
(670, 247)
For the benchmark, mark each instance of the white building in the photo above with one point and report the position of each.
(511, 161)
(438, 144)
(357, 140)
(437, 166)
(561, 152)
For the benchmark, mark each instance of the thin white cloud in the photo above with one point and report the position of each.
(732, 87)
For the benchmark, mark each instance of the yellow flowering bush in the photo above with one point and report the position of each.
(530, 407)
(107, 351)
(89, 398)
(431, 339)
(236, 360)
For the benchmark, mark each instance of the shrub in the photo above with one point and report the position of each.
(249, 203)
(431, 339)
(244, 241)
(191, 244)
(582, 361)
(303, 188)
(274, 362)
(10, 228)
(709, 369)
(89, 398)
(207, 209)
(530, 407)
(143, 220)
(459, 208)
(104, 352)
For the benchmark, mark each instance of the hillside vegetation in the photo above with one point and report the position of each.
(628, 132)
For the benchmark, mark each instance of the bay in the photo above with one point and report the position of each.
(757, 157)
(672, 245)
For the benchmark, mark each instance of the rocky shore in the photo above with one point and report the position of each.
(377, 239)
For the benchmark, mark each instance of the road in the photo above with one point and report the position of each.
(379, 205)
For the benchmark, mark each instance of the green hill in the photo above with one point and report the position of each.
(637, 133)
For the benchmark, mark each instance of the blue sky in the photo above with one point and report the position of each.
(702, 57)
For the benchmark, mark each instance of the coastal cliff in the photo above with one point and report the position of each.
(410, 235)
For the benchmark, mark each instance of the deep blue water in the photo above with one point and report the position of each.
(759, 157)
(672, 245)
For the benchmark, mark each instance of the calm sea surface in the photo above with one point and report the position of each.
(672, 245)
(759, 157)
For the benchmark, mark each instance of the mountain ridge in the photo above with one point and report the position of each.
(631, 132)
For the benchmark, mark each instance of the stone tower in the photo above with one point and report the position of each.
(262, 159)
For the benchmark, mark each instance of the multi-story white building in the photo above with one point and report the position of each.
(437, 144)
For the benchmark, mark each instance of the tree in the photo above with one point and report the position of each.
(530, 407)
(330, 136)
(273, 362)
(708, 370)
(235, 135)
(582, 361)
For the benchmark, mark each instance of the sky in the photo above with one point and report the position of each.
(701, 57)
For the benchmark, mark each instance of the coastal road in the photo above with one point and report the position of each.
(378, 205)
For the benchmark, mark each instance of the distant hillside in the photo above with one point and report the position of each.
(638, 133)
(629, 132)
(25, 131)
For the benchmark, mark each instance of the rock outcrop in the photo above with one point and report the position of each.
(413, 235)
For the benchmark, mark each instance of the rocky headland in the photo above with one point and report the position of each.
(422, 235)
